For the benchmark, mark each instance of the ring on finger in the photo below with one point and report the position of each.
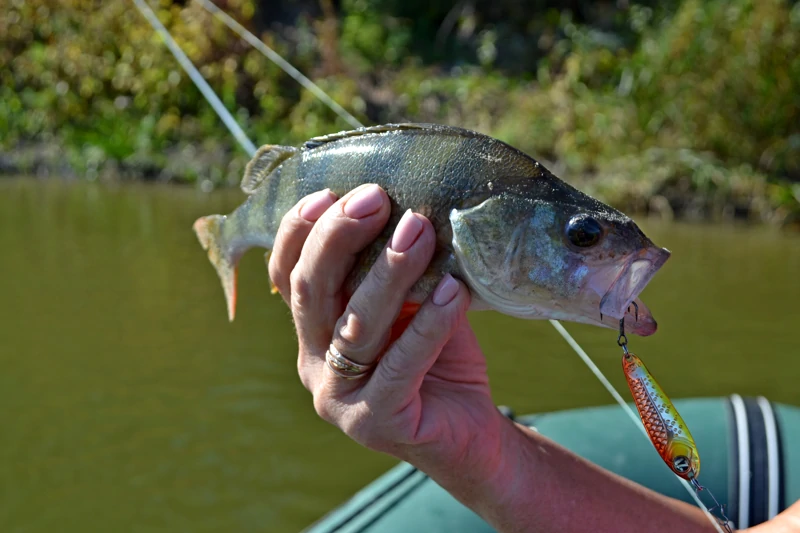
(345, 367)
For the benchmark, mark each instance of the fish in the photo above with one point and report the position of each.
(526, 243)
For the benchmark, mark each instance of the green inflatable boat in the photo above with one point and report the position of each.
(750, 448)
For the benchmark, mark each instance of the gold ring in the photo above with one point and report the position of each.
(344, 367)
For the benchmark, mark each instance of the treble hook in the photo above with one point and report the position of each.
(722, 518)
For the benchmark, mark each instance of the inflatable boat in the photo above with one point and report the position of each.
(749, 447)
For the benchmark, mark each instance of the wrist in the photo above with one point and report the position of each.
(507, 491)
(487, 472)
(529, 483)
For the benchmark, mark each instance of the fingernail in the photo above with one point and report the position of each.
(316, 204)
(446, 291)
(364, 203)
(406, 232)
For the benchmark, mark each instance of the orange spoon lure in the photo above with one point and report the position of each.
(664, 425)
(667, 431)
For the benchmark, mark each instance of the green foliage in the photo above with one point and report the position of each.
(93, 77)
(369, 38)
(707, 104)
(689, 107)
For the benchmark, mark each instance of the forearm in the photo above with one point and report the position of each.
(540, 486)
(786, 522)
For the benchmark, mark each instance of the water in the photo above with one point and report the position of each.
(129, 403)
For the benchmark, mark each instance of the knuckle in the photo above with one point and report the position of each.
(328, 230)
(390, 369)
(302, 289)
(353, 335)
(323, 407)
(304, 370)
(292, 222)
(383, 272)
(427, 331)
(362, 426)
(352, 329)
(292, 228)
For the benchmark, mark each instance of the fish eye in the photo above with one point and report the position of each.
(583, 231)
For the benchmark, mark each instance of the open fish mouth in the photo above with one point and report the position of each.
(638, 320)
(631, 279)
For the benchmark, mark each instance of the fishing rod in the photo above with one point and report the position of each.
(250, 148)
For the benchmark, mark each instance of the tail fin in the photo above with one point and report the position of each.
(209, 233)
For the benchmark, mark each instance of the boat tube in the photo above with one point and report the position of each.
(749, 447)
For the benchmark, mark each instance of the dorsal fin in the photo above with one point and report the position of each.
(267, 158)
(383, 128)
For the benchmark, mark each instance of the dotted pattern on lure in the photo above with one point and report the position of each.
(664, 425)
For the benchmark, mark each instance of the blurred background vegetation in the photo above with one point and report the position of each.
(681, 108)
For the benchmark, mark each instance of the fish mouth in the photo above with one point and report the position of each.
(638, 320)
(630, 280)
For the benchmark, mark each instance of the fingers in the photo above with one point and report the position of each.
(362, 330)
(369, 410)
(399, 374)
(327, 257)
(292, 233)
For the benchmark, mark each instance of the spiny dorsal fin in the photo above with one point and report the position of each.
(383, 128)
(267, 158)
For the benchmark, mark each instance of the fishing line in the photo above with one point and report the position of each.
(197, 78)
(273, 56)
(250, 148)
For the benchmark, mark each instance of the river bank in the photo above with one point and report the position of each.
(684, 109)
(216, 165)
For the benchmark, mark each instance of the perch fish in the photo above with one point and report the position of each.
(526, 243)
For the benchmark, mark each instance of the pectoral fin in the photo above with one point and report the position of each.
(272, 288)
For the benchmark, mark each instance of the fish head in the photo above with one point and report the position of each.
(579, 261)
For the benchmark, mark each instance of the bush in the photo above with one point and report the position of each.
(689, 108)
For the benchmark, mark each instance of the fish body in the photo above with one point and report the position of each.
(526, 243)
(664, 425)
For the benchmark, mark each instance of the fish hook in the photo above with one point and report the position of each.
(722, 518)
(635, 311)
(622, 339)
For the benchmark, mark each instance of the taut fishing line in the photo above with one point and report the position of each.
(197, 78)
(250, 148)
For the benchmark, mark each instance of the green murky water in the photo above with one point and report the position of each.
(129, 403)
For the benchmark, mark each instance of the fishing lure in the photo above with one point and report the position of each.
(668, 432)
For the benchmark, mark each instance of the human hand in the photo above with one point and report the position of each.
(427, 401)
